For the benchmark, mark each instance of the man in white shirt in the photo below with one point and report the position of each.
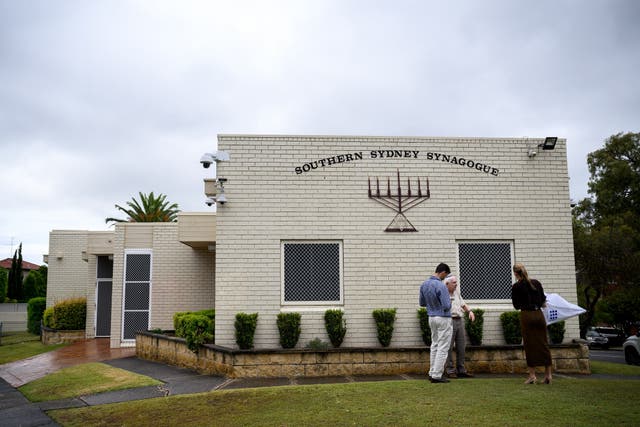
(458, 308)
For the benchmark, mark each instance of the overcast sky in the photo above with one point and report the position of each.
(102, 99)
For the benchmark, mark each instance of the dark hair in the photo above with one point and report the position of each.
(443, 267)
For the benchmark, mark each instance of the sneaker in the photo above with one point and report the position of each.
(464, 375)
(439, 380)
(451, 375)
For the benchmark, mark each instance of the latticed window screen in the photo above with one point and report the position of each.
(485, 270)
(311, 272)
(137, 289)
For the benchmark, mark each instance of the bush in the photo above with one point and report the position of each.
(511, 327)
(245, 329)
(336, 326)
(34, 285)
(4, 282)
(47, 318)
(424, 325)
(35, 310)
(474, 329)
(318, 345)
(179, 325)
(556, 332)
(197, 329)
(67, 315)
(289, 328)
(385, 318)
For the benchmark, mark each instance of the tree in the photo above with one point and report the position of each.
(34, 285)
(615, 180)
(14, 288)
(44, 272)
(606, 264)
(4, 280)
(606, 229)
(151, 209)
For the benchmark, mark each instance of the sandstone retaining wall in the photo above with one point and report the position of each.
(217, 360)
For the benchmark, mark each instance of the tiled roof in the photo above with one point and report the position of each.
(26, 265)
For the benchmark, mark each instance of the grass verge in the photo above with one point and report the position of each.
(608, 368)
(81, 380)
(21, 345)
(477, 402)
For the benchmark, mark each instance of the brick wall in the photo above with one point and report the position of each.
(68, 273)
(517, 199)
(182, 277)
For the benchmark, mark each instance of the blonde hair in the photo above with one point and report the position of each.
(520, 270)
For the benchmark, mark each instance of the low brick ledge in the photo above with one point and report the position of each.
(51, 336)
(264, 363)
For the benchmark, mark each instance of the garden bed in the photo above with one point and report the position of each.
(54, 336)
(217, 360)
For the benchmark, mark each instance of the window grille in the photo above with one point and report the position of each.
(312, 272)
(136, 296)
(485, 270)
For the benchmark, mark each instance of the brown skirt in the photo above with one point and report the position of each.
(534, 338)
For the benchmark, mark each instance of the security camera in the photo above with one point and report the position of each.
(207, 159)
(218, 156)
(222, 199)
(210, 201)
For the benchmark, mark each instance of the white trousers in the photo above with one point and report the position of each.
(441, 331)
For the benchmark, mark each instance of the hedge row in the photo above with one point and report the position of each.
(66, 315)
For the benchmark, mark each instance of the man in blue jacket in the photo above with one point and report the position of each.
(434, 295)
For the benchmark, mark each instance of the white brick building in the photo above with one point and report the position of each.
(491, 203)
(171, 268)
(313, 222)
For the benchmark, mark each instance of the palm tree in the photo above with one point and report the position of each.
(152, 209)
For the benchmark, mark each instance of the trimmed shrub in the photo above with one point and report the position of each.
(68, 315)
(556, 332)
(511, 327)
(35, 310)
(47, 318)
(179, 322)
(336, 326)
(385, 318)
(289, 328)
(197, 329)
(423, 316)
(245, 329)
(475, 329)
(317, 344)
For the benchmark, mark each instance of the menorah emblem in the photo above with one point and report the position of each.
(399, 202)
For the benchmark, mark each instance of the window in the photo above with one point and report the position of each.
(312, 272)
(485, 269)
(137, 293)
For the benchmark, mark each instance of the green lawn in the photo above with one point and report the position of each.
(21, 345)
(81, 380)
(476, 402)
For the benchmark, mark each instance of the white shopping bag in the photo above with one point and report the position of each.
(558, 309)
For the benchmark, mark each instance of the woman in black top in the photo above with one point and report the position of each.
(528, 296)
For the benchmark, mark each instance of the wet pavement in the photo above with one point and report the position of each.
(24, 371)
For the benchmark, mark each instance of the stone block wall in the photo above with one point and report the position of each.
(216, 360)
